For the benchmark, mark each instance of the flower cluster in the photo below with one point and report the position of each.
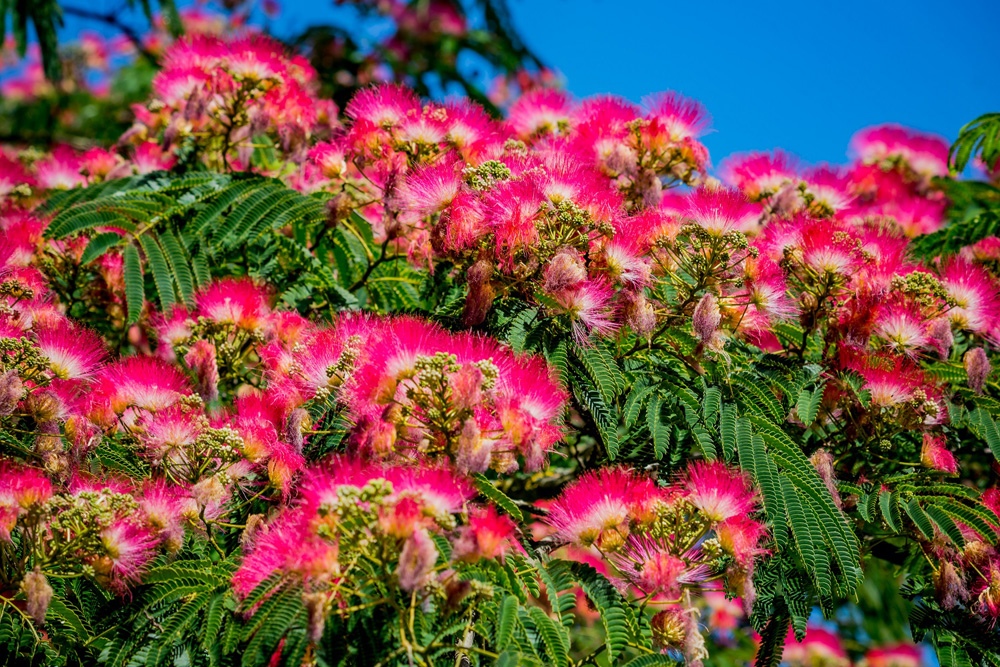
(222, 94)
(665, 543)
(820, 646)
(366, 455)
(350, 512)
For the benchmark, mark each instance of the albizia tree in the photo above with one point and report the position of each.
(404, 383)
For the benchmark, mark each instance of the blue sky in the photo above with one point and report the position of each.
(803, 76)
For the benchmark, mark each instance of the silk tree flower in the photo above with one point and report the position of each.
(903, 328)
(925, 154)
(649, 565)
(416, 560)
(588, 307)
(720, 211)
(936, 455)
(60, 170)
(819, 646)
(600, 507)
(385, 106)
(129, 547)
(760, 175)
(21, 489)
(240, 86)
(985, 594)
(289, 546)
(977, 368)
(894, 655)
(741, 537)
(827, 190)
(973, 292)
(542, 111)
(487, 535)
(895, 382)
(134, 384)
(719, 492)
(239, 302)
(73, 353)
(678, 117)
(165, 507)
(515, 400)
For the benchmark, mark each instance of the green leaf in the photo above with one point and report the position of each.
(602, 368)
(772, 640)
(99, 245)
(920, 518)
(73, 221)
(604, 416)
(554, 636)
(60, 611)
(179, 264)
(890, 510)
(635, 402)
(135, 291)
(946, 524)
(981, 136)
(659, 431)
(713, 397)
(988, 430)
(759, 397)
(727, 430)
(162, 275)
(488, 489)
(506, 621)
(609, 603)
(808, 404)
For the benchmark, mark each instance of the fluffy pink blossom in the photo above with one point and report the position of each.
(74, 353)
(128, 547)
(718, 491)
(599, 507)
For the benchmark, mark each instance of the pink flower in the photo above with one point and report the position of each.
(61, 170)
(540, 111)
(678, 116)
(487, 535)
(894, 655)
(986, 594)
(903, 327)
(201, 358)
(599, 507)
(588, 307)
(975, 294)
(237, 301)
(977, 368)
(760, 175)
(936, 456)
(289, 546)
(21, 488)
(925, 154)
(330, 158)
(819, 646)
(128, 547)
(144, 383)
(74, 353)
(416, 560)
(383, 106)
(718, 491)
(431, 189)
(721, 211)
(740, 536)
(648, 565)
